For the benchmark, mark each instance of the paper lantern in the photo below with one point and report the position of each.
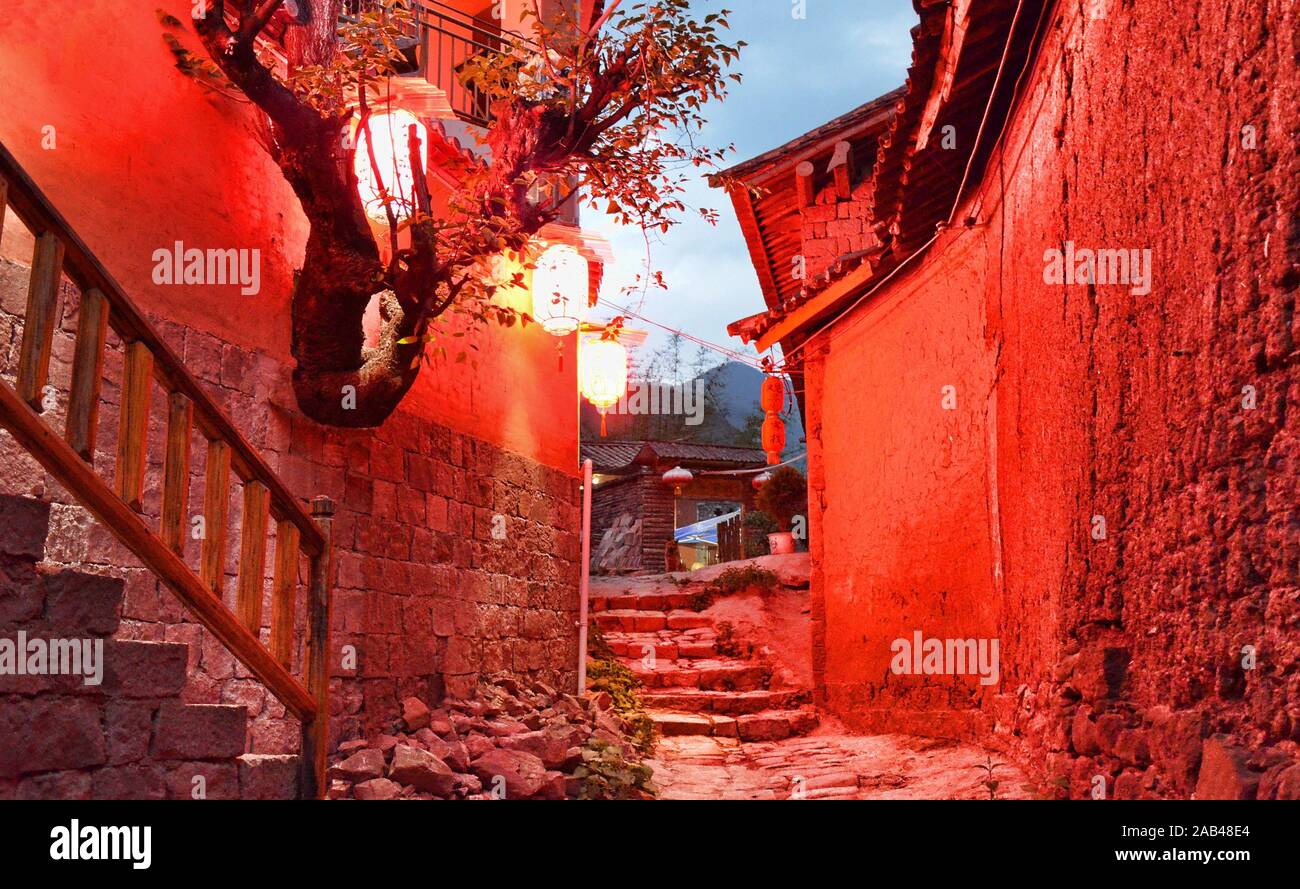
(772, 399)
(560, 290)
(391, 133)
(677, 476)
(602, 373)
(773, 438)
(773, 394)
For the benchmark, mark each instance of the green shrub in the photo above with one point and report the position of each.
(784, 496)
(606, 774)
(758, 525)
(734, 580)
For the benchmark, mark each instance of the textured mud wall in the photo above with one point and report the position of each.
(1170, 416)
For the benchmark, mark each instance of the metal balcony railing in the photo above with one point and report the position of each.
(445, 39)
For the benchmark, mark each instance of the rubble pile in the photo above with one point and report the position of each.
(512, 740)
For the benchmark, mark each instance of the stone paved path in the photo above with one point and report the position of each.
(835, 766)
(740, 724)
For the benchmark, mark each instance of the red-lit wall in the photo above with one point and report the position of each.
(1120, 657)
(426, 596)
(145, 157)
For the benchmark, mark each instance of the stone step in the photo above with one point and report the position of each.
(729, 703)
(268, 776)
(671, 724)
(631, 620)
(718, 675)
(666, 645)
(642, 602)
(200, 731)
(775, 725)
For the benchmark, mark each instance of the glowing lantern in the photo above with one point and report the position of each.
(602, 373)
(677, 476)
(560, 290)
(773, 394)
(773, 438)
(772, 400)
(391, 134)
(761, 479)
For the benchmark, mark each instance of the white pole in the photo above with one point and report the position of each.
(585, 577)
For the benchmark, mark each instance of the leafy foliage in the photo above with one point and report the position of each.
(784, 496)
(608, 116)
(607, 774)
(734, 580)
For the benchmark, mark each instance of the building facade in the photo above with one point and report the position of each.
(1048, 389)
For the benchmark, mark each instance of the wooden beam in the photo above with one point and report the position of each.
(283, 587)
(841, 167)
(803, 183)
(67, 467)
(87, 372)
(216, 502)
(133, 423)
(42, 315)
(815, 306)
(176, 472)
(252, 555)
(316, 732)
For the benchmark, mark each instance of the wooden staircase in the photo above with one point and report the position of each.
(29, 401)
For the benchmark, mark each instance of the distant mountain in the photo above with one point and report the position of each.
(733, 396)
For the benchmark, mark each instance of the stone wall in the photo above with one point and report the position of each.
(1167, 415)
(426, 596)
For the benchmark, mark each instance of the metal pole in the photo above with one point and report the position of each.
(585, 577)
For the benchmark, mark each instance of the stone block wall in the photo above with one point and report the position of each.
(427, 597)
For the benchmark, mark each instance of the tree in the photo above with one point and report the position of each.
(609, 112)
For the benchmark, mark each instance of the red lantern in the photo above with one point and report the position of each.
(773, 394)
(676, 477)
(773, 399)
(773, 438)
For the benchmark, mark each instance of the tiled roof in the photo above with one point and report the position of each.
(608, 456)
(770, 220)
(954, 68)
(619, 456)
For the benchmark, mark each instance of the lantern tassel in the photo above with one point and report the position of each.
(602, 423)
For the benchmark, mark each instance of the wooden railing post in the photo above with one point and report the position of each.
(316, 732)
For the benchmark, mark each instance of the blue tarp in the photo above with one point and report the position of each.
(703, 532)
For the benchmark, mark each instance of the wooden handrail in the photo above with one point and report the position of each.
(130, 324)
(70, 460)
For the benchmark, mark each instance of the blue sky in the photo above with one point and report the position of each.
(798, 74)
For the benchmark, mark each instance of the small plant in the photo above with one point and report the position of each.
(606, 673)
(607, 774)
(728, 643)
(784, 496)
(989, 782)
(758, 525)
(735, 580)
(1058, 788)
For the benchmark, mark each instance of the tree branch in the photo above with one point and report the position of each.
(251, 25)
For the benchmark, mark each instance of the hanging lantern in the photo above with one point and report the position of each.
(773, 438)
(560, 289)
(677, 476)
(773, 394)
(772, 400)
(602, 373)
(761, 479)
(390, 132)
